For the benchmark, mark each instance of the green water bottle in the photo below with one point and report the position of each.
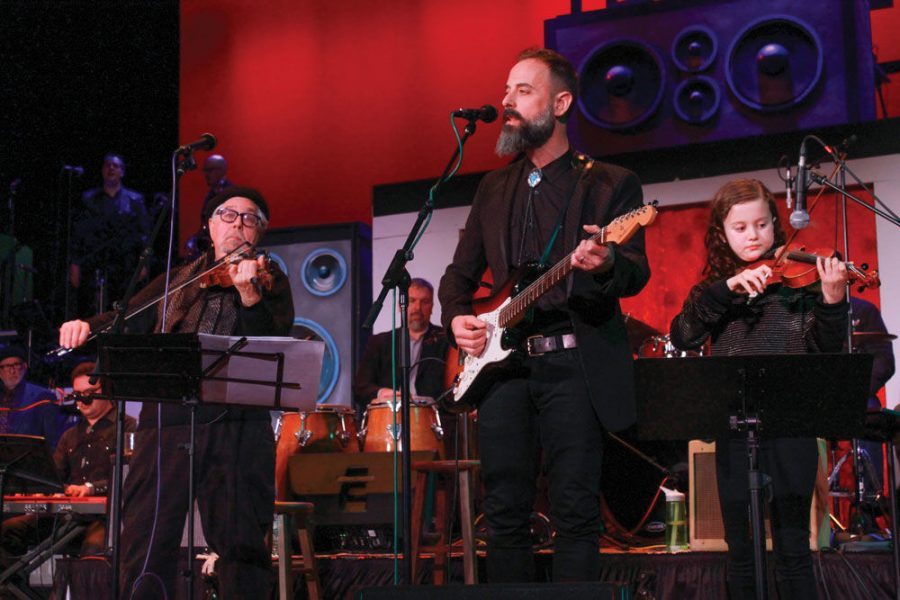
(676, 521)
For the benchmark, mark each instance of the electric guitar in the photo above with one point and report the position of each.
(509, 306)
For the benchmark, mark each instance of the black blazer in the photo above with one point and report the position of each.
(605, 193)
(374, 370)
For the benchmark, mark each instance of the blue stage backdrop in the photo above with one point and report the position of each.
(667, 74)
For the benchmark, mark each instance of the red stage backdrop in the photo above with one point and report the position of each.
(316, 101)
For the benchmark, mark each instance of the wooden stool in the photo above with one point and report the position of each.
(291, 516)
(444, 471)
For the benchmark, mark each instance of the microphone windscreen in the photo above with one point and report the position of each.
(489, 113)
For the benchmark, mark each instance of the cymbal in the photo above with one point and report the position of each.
(638, 331)
(872, 337)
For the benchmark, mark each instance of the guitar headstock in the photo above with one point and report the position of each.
(624, 226)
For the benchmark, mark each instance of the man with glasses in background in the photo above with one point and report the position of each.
(83, 459)
(26, 408)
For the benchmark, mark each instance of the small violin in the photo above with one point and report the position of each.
(795, 267)
(221, 276)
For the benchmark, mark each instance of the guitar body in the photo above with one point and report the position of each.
(472, 379)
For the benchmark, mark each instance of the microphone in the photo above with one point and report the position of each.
(486, 113)
(207, 141)
(788, 184)
(79, 171)
(800, 218)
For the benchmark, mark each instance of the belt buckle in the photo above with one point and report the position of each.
(529, 345)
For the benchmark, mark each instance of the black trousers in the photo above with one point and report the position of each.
(792, 465)
(235, 487)
(548, 410)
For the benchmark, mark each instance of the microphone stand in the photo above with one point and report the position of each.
(885, 214)
(115, 508)
(397, 276)
(891, 217)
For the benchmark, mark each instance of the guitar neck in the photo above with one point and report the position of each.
(524, 300)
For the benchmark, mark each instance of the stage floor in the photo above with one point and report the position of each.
(686, 575)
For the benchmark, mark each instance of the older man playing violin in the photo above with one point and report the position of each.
(235, 450)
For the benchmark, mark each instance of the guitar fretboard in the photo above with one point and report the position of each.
(619, 230)
(523, 301)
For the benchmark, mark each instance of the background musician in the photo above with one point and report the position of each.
(108, 233)
(235, 449)
(743, 229)
(215, 170)
(26, 408)
(870, 335)
(579, 378)
(83, 459)
(375, 376)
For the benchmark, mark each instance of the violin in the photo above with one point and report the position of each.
(221, 275)
(216, 275)
(795, 267)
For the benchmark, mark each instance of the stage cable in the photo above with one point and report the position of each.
(156, 506)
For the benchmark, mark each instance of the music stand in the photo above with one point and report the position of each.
(28, 462)
(771, 396)
(168, 368)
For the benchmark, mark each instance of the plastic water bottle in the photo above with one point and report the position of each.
(676, 521)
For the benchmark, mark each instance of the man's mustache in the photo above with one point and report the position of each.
(509, 112)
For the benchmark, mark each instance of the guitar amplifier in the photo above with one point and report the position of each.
(707, 533)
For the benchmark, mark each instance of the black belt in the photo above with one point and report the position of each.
(537, 345)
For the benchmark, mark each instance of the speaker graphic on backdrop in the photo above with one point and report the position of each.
(330, 271)
(666, 74)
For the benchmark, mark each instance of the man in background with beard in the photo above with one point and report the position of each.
(576, 378)
(428, 349)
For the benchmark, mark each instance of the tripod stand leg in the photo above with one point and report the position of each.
(757, 486)
(894, 526)
(869, 493)
(31, 561)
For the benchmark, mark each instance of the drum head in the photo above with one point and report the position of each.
(335, 408)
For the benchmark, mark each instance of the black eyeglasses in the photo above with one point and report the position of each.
(80, 397)
(230, 216)
(12, 366)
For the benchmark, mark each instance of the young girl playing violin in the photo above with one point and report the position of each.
(740, 314)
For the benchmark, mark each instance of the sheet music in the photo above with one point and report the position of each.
(302, 365)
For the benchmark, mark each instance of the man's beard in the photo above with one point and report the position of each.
(417, 324)
(528, 135)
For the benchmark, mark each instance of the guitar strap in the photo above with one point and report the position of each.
(583, 163)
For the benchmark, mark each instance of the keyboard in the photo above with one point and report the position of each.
(39, 504)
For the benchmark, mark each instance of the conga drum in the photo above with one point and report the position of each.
(378, 435)
(331, 428)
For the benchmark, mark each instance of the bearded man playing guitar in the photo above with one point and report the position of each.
(570, 375)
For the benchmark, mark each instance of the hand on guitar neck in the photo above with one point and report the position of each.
(592, 257)
(589, 256)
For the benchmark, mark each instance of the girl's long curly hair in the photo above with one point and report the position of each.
(721, 261)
